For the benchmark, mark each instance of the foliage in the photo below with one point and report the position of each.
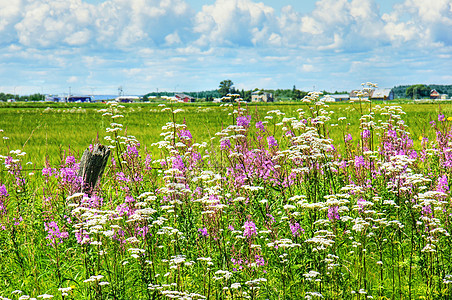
(226, 87)
(417, 91)
(401, 90)
(339, 202)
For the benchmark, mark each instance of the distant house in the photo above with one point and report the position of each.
(444, 96)
(382, 94)
(127, 99)
(338, 97)
(79, 99)
(434, 94)
(184, 97)
(261, 96)
(377, 94)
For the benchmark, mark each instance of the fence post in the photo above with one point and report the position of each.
(92, 166)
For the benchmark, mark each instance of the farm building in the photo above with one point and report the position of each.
(382, 94)
(184, 97)
(377, 94)
(127, 99)
(79, 99)
(338, 97)
(261, 96)
(434, 94)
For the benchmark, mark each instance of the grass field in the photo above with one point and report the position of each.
(301, 200)
(45, 130)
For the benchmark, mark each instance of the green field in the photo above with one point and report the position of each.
(244, 201)
(46, 130)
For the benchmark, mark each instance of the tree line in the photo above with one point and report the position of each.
(420, 90)
(34, 97)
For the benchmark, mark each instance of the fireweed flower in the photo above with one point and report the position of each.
(249, 229)
(348, 137)
(365, 134)
(296, 229)
(203, 231)
(441, 118)
(260, 126)
(54, 234)
(3, 191)
(244, 121)
(225, 144)
(272, 142)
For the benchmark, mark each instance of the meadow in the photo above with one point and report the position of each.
(305, 200)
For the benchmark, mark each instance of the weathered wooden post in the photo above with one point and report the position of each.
(92, 166)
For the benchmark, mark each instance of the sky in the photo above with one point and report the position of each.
(97, 46)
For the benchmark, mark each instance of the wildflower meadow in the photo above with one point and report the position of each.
(311, 205)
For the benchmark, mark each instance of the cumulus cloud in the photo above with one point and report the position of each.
(426, 22)
(235, 23)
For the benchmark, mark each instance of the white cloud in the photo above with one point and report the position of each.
(235, 23)
(423, 22)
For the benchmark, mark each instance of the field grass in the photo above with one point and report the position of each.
(282, 201)
(45, 130)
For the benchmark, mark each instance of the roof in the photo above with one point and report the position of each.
(128, 97)
(338, 96)
(381, 93)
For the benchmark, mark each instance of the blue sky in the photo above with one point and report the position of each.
(95, 46)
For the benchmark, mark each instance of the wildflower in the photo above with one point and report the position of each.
(296, 229)
(225, 144)
(441, 118)
(203, 231)
(260, 126)
(272, 142)
(3, 191)
(54, 234)
(249, 229)
(244, 121)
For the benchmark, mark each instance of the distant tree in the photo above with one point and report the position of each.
(417, 90)
(225, 87)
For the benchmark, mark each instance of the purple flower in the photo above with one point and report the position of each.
(359, 161)
(70, 160)
(231, 228)
(348, 137)
(272, 142)
(225, 144)
(178, 163)
(442, 186)
(132, 151)
(54, 234)
(441, 118)
(185, 135)
(244, 121)
(365, 134)
(260, 126)
(203, 231)
(3, 191)
(249, 229)
(296, 229)
(333, 213)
